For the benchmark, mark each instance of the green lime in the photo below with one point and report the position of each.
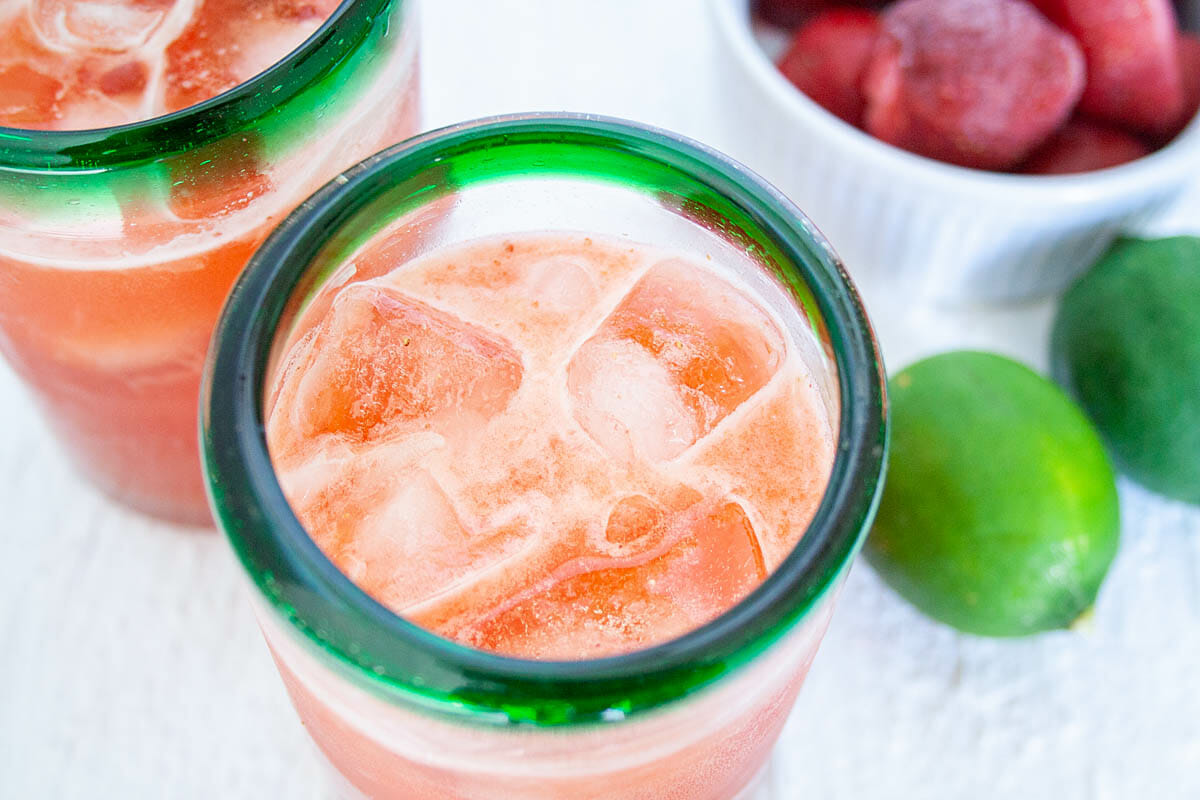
(999, 515)
(1127, 345)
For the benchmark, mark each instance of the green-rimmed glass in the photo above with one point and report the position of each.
(312, 73)
(519, 173)
(117, 245)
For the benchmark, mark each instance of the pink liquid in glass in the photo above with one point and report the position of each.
(110, 283)
(549, 446)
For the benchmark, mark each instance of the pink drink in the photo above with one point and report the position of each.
(111, 279)
(524, 432)
(551, 447)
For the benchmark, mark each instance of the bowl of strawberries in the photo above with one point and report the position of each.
(967, 149)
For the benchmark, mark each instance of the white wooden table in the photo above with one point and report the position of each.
(130, 667)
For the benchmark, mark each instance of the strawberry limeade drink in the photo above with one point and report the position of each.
(149, 147)
(553, 447)
(546, 442)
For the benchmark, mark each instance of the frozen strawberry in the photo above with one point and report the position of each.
(1189, 63)
(693, 350)
(127, 78)
(114, 26)
(299, 9)
(979, 83)
(827, 59)
(1083, 146)
(1132, 59)
(692, 565)
(790, 13)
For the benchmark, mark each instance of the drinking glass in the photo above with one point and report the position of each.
(118, 245)
(403, 713)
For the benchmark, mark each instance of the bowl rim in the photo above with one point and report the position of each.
(1166, 166)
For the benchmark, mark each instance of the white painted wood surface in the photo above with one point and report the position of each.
(130, 667)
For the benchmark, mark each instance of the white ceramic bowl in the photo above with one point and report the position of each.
(918, 227)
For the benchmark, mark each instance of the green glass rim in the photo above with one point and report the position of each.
(387, 654)
(233, 110)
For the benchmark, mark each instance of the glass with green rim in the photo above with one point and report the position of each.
(118, 244)
(504, 175)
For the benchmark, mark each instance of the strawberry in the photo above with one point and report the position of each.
(1189, 66)
(979, 83)
(828, 56)
(790, 13)
(1132, 55)
(127, 78)
(1083, 146)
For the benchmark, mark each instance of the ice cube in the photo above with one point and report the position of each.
(409, 545)
(532, 293)
(700, 561)
(270, 40)
(107, 25)
(634, 518)
(558, 283)
(719, 563)
(27, 97)
(383, 363)
(777, 458)
(230, 41)
(383, 519)
(678, 355)
(199, 62)
(629, 402)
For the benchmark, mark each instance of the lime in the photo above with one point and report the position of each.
(1127, 345)
(1000, 513)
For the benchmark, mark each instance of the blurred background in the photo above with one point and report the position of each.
(131, 666)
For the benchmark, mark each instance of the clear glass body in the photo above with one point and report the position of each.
(402, 713)
(118, 245)
(712, 746)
